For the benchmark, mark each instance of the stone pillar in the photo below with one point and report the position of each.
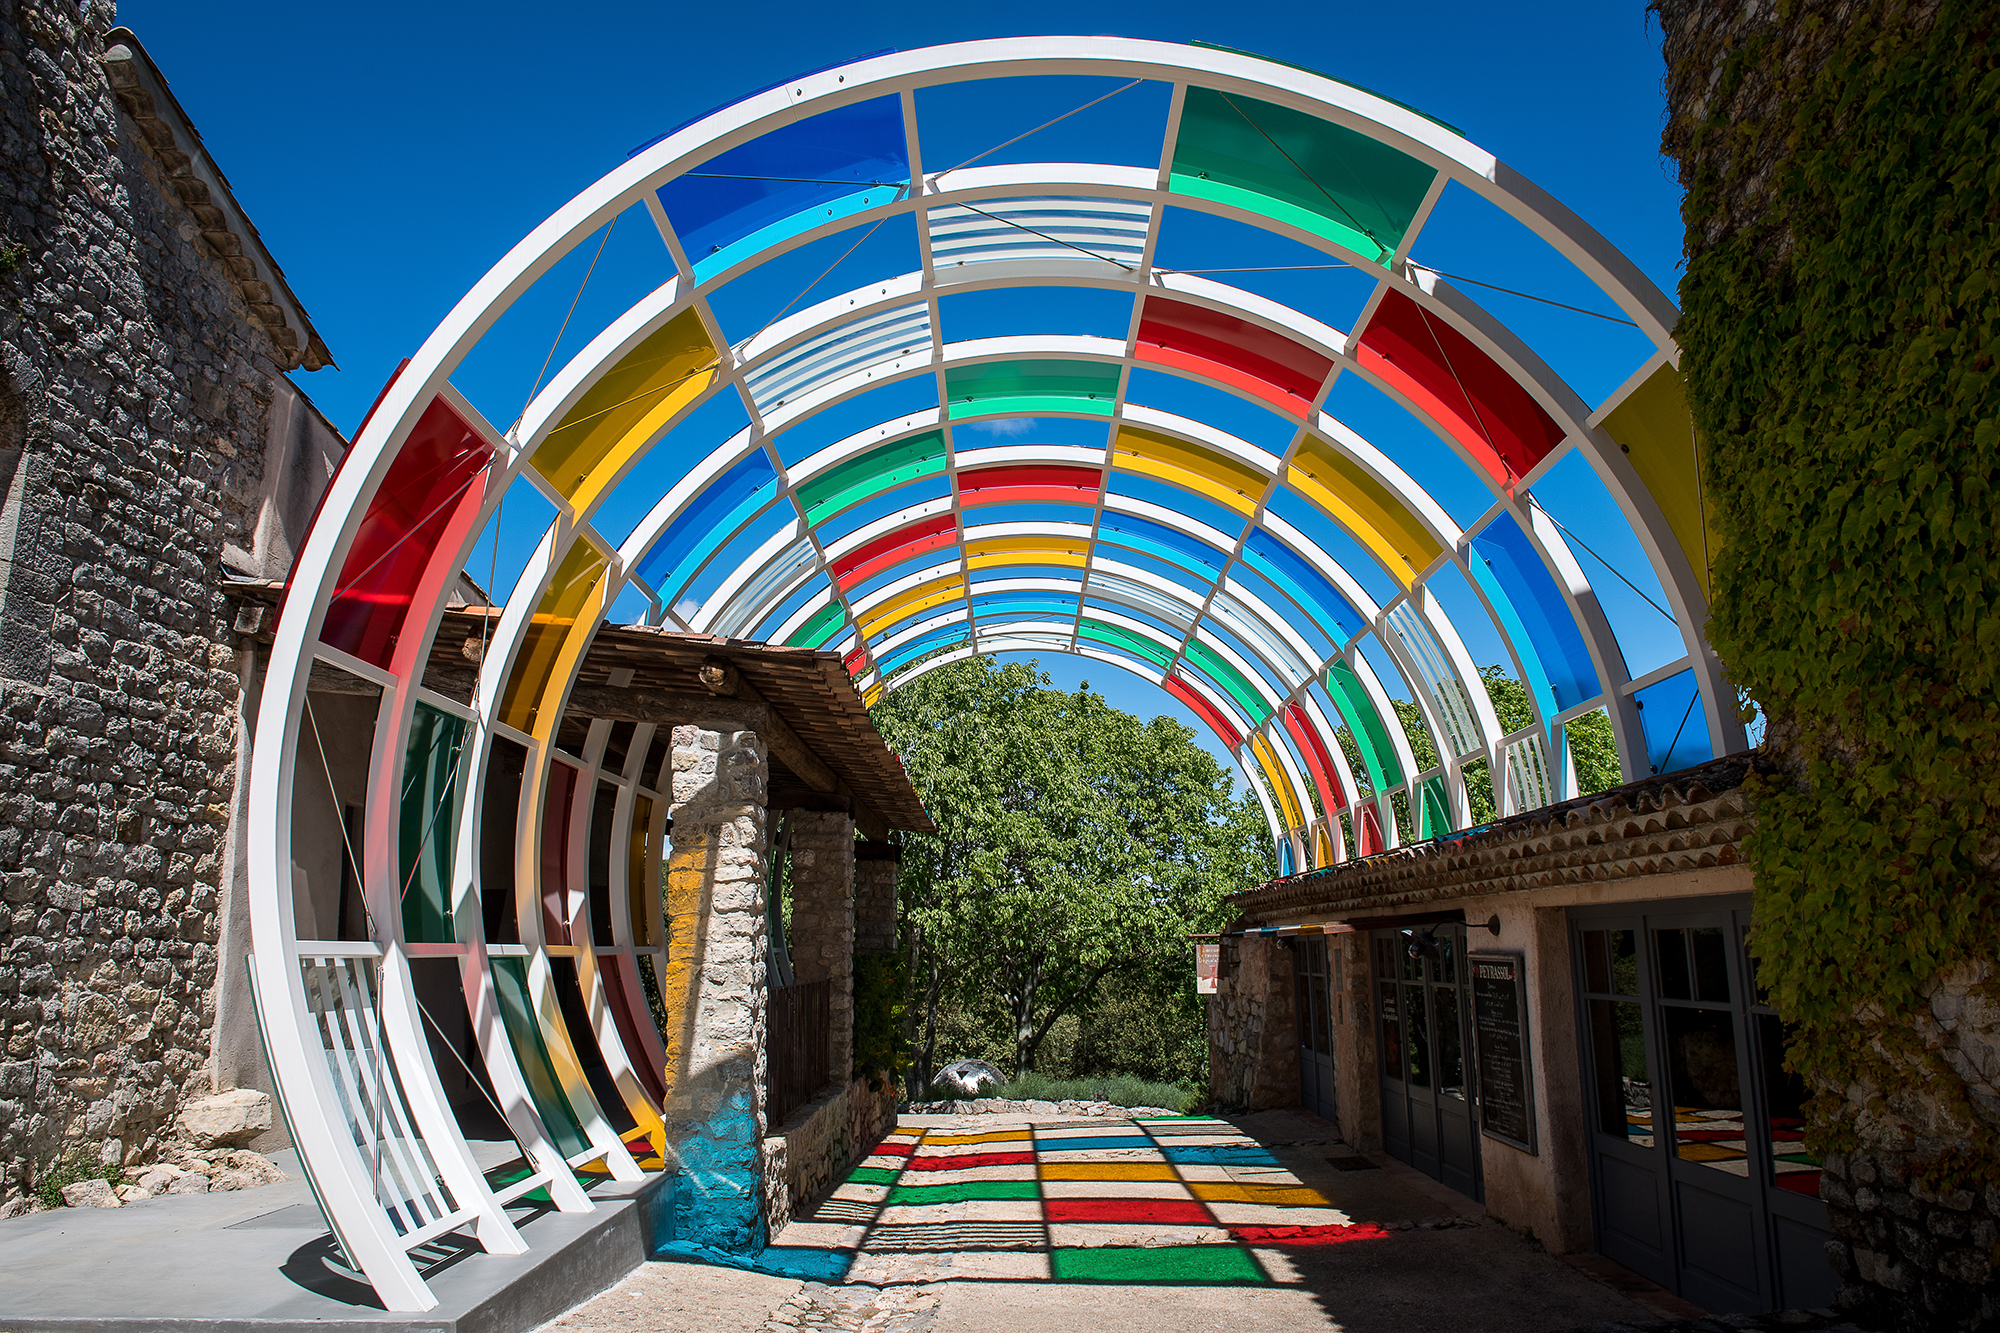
(713, 989)
(1253, 1045)
(1357, 1086)
(822, 929)
(876, 867)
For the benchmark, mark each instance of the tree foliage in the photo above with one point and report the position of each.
(1074, 843)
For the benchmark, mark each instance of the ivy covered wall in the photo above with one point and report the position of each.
(1840, 330)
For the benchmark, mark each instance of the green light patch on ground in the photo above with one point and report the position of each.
(977, 1189)
(1179, 1265)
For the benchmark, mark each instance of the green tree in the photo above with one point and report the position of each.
(1074, 843)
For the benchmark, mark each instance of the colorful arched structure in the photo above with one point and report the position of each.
(1170, 547)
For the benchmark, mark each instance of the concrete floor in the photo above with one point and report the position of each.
(1146, 1227)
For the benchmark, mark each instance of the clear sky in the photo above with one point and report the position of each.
(389, 154)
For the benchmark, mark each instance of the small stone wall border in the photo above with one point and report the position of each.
(1005, 1106)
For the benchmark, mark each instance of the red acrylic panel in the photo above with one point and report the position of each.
(1283, 372)
(1466, 391)
(612, 966)
(871, 558)
(1204, 710)
(1030, 485)
(555, 853)
(854, 661)
(1371, 832)
(436, 473)
(1325, 775)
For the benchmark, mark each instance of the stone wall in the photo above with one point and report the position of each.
(713, 987)
(1253, 1053)
(822, 926)
(876, 865)
(134, 404)
(811, 1152)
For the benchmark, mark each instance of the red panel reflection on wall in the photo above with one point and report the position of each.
(1284, 373)
(891, 548)
(1371, 832)
(1030, 485)
(436, 473)
(1447, 375)
(1204, 710)
(1331, 795)
(555, 853)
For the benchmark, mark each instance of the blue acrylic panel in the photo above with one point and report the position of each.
(1023, 601)
(1339, 546)
(904, 656)
(707, 522)
(1186, 503)
(1676, 729)
(1156, 539)
(1249, 582)
(812, 587)
(1008, 312)
(995, 572)
(1507, 566)
(1285, 857)
(1290, 572)
(822, 167)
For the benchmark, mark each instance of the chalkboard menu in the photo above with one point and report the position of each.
(1500, 1044)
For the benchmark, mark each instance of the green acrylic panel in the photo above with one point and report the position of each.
(1217, 669)
(524, 1034)
(1358, 711)
(1435, 812)
(819, 629)
(429, 824)
(1023, 388)
(1125, 639)
(1292, 167)
(847, 484)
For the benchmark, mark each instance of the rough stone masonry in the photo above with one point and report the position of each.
(138, 380)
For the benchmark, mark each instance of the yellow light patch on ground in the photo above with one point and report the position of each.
(996, 1136)
(1296, 1196)
(1107, 1171)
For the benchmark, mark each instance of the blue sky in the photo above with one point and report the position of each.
(389, 154)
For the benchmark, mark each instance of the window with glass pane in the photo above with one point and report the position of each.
(1707, 1093)
(1623, 1073)
(1392, 1032)
(1418, 1035)
(1450, 1055)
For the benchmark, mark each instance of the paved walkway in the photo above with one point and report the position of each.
(1014, 1224)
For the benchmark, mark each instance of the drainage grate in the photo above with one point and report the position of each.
(1351, 1164)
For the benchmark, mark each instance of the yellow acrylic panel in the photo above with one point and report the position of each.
(906, 604)
(626, 409)
(1365, 507)
(1028, 550)
(556, 633)
(1287, 798)
(643, 898)
(1224, 480)
(1654, 428)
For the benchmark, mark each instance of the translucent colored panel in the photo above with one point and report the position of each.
(1232, 483)
(524, 1034)
(1205, 710)
(1310, 588)
(1292, 167)
(828, 159)
(748, 604)
(1434, 809)
(1503, 556)
(811, 590)
(570, 593)
(1318, 762)
(1248, 583)
(1037, 312)
(1106, 234)
(1358, 711)
(1015, 603)
(1241, 354)
(901, 568)
(924, 647)
(624, 410)
(1212, 664)
(1288, 802)
(720, 419)
(1371, 832)
(1023, 485)
(983, 119)
(820, 628)
(709, 520)
(1676, 730)
(1466, 391)
(1120, 637)
(618, 999)
(433, 478)
(1030, 387)
(1529, 774)
(428, 818)
(1172, 630)
(555, 854)
(796, 371)
(916, 600)
(1251, 420)
(1615, 559)
(1262, 670)
(1011, 551)
(642, 891)
(870, 558)
(1365, 507)
(1657, 432)
(1158, 540)
(1176, 499)
(843, 485)
(869, 252)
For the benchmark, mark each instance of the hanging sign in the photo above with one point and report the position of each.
(1207, 964)
(1500, 1046)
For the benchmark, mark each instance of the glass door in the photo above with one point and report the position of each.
(1313, 965)
(1424, 1046)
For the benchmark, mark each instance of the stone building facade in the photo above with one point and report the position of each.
(150, 443)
